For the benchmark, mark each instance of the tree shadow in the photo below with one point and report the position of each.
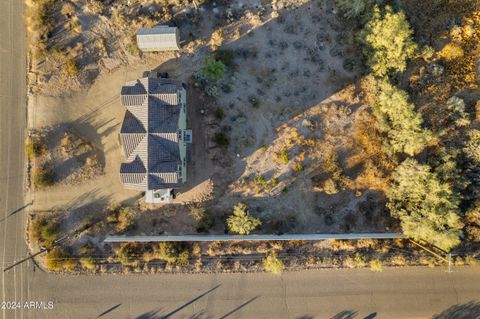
(468, 310)
(347, 314)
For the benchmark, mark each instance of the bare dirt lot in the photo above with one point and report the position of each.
(288, 105)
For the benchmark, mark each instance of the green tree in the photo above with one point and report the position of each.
(272, 264)
(212, 69)
(427, 209)
(397, 118)
(387, 40)
(241, 222)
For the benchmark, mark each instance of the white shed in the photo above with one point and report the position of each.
(159, 38)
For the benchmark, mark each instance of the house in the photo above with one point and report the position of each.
(159, 38)
(154, 137)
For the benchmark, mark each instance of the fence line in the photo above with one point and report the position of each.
(284, 237)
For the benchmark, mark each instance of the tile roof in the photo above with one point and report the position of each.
(149, 134)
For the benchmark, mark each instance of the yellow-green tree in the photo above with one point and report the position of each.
(387, 40)
(241, 222)
(427, 208)
(398, 120)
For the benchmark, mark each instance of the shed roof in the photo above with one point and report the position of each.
(158, 39)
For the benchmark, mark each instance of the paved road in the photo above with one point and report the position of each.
(346, 294)
(394, 293)
(12, 128)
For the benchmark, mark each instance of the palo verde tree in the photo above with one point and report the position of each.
(398, 120)
(387, 40)
(427, 208)
(241, 222)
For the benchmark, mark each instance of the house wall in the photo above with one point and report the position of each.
(182, 125)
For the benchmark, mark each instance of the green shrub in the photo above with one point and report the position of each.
(241, 222)
(222, 139)
(34, 147)
(376, 265)
(219, 113)
(283, 156)
(43, 176)
(49, 234)
(387, 40)
(273, 264)
(274, 181)
(212, 69)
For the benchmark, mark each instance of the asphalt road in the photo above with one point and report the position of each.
(341, 294)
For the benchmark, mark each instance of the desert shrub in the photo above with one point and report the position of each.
(398, 120)
(167, 251)
(274, 181)
(88, 263)
(282, 156)
(472, 219)
(221, 139)
(262, 184)
(241, 222)
(126, 254)
(212, 69)
(387, 40)
(376, 265)
(472, 146)
(205, 223)
(183, 258)
(456, 110)
(131, 46)
(43, 176)
(219, 114)
(44, 230)
(297, 167)
(359, 260)
(272, 264)
(57, 260)
(427, 209)
(198, 212)
(49, 233)
(71, 67)
(451, 52)
(67, 9)
(353, 9)
(34, 147)
(95, 6)
(126, 219)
